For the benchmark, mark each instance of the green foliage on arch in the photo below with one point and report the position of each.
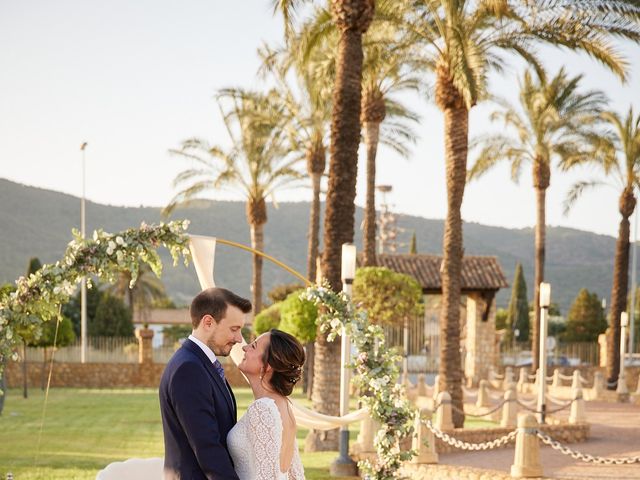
(39, 297)
(376, 372)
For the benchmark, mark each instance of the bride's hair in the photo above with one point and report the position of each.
(286, 356)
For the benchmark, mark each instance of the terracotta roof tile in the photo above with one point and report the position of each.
(478, 273)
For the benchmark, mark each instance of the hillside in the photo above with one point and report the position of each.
(38, 222)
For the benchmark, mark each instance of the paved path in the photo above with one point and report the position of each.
(615, 432)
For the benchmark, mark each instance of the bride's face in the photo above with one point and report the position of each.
(252, 363)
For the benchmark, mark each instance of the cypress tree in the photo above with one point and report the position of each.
(518, 311)
(413, 246)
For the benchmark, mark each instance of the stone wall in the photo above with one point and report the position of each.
(453, 472)
(101, 375)
(481, 351)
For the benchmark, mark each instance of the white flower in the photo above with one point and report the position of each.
(111, 247)
(185, 224)
(95, 235)
(335, 323)
(120, 241)
(119, 255)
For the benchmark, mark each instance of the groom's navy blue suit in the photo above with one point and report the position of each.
(198, 410)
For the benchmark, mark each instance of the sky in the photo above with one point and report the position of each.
(135, 78)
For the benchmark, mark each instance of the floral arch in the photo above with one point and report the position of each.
(39, 298)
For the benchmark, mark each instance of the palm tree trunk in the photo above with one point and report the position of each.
(308, 370)
(343, 166)
(541, 175)
(257, 243)
(540, 251)
(371, 137)
(352, 18)
(314, 228)
(620, 285)
(456, 124)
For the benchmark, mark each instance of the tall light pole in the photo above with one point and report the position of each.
(83, 285)
(344, 466)
(545, 301)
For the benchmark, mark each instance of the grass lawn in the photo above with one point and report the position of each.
(85, 429)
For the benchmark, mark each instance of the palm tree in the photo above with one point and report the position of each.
(307, 110)
(557, 120)
(258, 164)
(352, 18)
(146, 290)
(619, 159)
(386, 70)
(464, 40)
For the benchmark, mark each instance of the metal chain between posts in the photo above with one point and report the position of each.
(548, 412)
(454, 442)
(585, 457)
(498, 407)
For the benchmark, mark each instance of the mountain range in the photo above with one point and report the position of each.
(38, 222)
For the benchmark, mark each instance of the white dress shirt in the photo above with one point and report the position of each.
(203, 346)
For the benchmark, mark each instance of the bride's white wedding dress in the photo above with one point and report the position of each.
(255, 443)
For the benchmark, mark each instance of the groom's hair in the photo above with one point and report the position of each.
(214, 302)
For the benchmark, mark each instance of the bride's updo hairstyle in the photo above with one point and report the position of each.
(286, 356)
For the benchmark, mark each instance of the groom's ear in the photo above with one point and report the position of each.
(207, 321)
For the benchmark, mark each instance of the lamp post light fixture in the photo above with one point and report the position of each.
(545, 301)
(621, 389)
(344, 466)
(83, 285)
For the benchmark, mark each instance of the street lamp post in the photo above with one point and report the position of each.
(344, 466)
(83, 285)
(545, 301)
(622, 390)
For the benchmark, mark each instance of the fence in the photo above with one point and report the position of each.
(564, 355)
(100, 350)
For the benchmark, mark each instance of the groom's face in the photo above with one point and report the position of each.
(223, 335)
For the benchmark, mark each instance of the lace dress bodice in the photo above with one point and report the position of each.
(255, 443)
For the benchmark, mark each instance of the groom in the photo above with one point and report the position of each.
(197, 405)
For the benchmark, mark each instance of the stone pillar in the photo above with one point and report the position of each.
(575, 379)
(483, 394)
(423, 440)
(509, 410)
(577, 414)
(602, 342)
(436, 387)
(481, 352)
(523, 379)
(364, 443)
(598, 385)
(556, 382)
(526, 461)
(145, 347)
(443, 412)
(422, 385)
(508, 378)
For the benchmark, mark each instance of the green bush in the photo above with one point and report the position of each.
(267, 319)
(298, 317)
(388, 297)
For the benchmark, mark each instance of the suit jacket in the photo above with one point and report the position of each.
(198, 410)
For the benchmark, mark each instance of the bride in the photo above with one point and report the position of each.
(263, 443)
